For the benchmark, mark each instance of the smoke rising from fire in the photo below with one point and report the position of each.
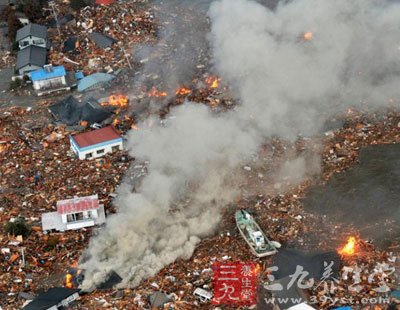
(286, 85)
(289, 84)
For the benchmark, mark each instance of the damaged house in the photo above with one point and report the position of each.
(74, 213)
(71, 112)
(96, 143)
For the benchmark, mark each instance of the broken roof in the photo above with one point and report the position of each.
(51, 298)
(70, 111)
(70, 44)
(32, 55)
(78, 204)
(101, 40)
(287, 261)
(158, 299)
(97, 136)
(31, 30)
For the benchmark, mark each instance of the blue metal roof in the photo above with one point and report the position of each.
(79, 75)
(94, 80)
(42, 74)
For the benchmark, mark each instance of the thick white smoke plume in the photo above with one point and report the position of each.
(287, 84)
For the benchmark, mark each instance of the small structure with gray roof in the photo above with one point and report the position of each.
(32, 34)
(30, 59)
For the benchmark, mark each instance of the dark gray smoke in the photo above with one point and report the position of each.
(287, 80)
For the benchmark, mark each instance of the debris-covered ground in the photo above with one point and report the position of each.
(29, 144)
(128, 23)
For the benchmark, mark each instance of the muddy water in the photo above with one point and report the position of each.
(365, 197)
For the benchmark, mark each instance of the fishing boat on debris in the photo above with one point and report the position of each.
(259, 244)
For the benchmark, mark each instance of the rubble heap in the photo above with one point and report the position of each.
(128, 23)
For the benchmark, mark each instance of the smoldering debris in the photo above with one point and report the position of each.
(144, 234)
(287, 83)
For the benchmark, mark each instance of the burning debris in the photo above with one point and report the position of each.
(157, 94)
(183, 91)
(213, 81)
(350, 247)
(120, 101)
(74, 277)
(193, 157)
(307, 36)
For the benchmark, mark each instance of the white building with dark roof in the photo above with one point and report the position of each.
(32, 34)
(30, 59)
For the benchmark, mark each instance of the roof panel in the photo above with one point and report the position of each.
(31, 30)
(93, 80)
(51, 298)
(96, 136)
(101, 40)
(78, 204)
(33, 55)
(41, 74)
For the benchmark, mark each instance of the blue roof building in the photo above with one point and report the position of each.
(50, 79)
(48, 73)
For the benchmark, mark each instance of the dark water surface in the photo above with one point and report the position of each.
(366, 197)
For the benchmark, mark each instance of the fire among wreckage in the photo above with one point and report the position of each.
(64, 171)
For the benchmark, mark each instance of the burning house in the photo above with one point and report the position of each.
(96, 143)
(74, 213)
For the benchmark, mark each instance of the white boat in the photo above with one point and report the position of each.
(259, 244)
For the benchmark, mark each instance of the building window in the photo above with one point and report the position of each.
(89, 155)
(38, 42)
(115, 148)
(89, 214)
(74, 217)
(100, 151)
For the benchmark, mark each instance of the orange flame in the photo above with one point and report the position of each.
(69, 281)
(183, 91)
(213, 81)
(117, 101)
(349, 248)
(307, 36)
(155, 93)
(2, 148)
(115, 122)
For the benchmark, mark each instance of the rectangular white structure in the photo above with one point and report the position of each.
(96, 143)
(74, 214)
